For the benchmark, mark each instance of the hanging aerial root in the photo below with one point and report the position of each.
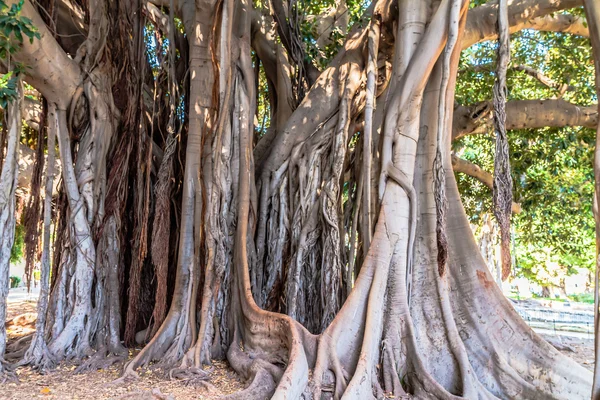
(32, 216)
(38, 355)
(502, 193)
(439, 174)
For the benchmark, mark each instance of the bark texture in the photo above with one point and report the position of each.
(8, 185)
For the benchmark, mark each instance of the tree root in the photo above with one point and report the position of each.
(16, 349)
(262, 375)
(193, 376)
(38, 356)
(102, 359)
(6, 372)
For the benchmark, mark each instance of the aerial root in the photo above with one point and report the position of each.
(390, 375)
(99, 360)
(329, 363)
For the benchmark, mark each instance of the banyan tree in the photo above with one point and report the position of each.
(319, 245)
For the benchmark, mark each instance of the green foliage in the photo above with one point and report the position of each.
(312, 13)
(8, 88)
(13, 24)
(13, 29)
(583, 298)
(551, 168)
(16, 253)
(14, 281)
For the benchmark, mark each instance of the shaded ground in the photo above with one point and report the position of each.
(155, 384)
(64, 384)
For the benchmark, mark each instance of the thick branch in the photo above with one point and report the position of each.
(534, 73)
(565, 23)
(468, 168)
(522, 14)
(524, 114)
(50, 71)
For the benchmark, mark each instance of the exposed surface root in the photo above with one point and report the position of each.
(102, 359)
(38, 356)
(261, 375)
(193, 376)
(6, 373)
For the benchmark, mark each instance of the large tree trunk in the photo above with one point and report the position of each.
(440, 337)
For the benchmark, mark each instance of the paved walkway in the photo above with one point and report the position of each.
(20, 294)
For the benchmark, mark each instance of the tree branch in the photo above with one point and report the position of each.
(565, 23)
(50, 70)
(522, 14)
(545, 80)
(523, 114)
(534, 73)
(475, 171)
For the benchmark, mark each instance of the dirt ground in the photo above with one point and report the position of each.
(63, 383)
(579, 349)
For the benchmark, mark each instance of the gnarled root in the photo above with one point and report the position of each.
(16, 348)
(101, 359)
(38, 356)
(193, 376)
(262, 375)
(6, 372)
